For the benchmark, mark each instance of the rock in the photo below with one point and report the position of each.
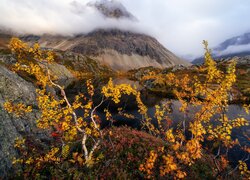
(63, 75)
(243, 60)
(112, 9)
(7, 59)
(14, 88)
(79, 62)
(139, 73)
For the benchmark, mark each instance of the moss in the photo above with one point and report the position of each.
(68, 63)
(5, 52)
(2, 64)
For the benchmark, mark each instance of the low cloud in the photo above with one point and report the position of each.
(56, 17)
(234, 49)
(179, 25)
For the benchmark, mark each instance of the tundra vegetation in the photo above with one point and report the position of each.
(80, 148)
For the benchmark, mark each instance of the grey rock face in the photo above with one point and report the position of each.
(15, 89)
(7, 59)
(114, 46)
(112, 9)
(125, 43)
(64, 76)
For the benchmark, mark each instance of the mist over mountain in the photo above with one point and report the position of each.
(67, 18)
(238, 40)
(236, 46)
(114, 47)
(179, 25)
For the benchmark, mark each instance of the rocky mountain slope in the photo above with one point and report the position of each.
(236, 46)
(235, 42)
(111, 9)
(117, 49)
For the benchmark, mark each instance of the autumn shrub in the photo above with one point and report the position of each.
(211, 96)
(125, 148)
(81, 148)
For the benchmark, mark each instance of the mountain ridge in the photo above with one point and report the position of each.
(106, 46)
(237, 46)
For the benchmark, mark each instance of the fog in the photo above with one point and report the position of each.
(179, 25)
(234, 49)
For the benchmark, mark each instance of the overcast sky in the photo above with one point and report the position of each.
(180, 25)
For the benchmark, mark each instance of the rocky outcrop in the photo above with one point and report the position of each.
(7, 59)
(137, 74)
(79, 62)
(63, 76)
(14, 88)
(241, 60)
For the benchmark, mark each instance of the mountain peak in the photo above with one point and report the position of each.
(112, 9)
(234, 41)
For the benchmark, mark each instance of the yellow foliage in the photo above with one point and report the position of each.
(149, 165)
(17, 109)
(169, 165)
(243, 169)
(59, 117)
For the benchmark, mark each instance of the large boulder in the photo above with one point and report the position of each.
(63, 76)
(16, 89)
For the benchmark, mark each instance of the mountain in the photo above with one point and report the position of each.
(112, 9)
(113, 48)
(120, 50)
(234, 41)
(236, 46)
(117, 49)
